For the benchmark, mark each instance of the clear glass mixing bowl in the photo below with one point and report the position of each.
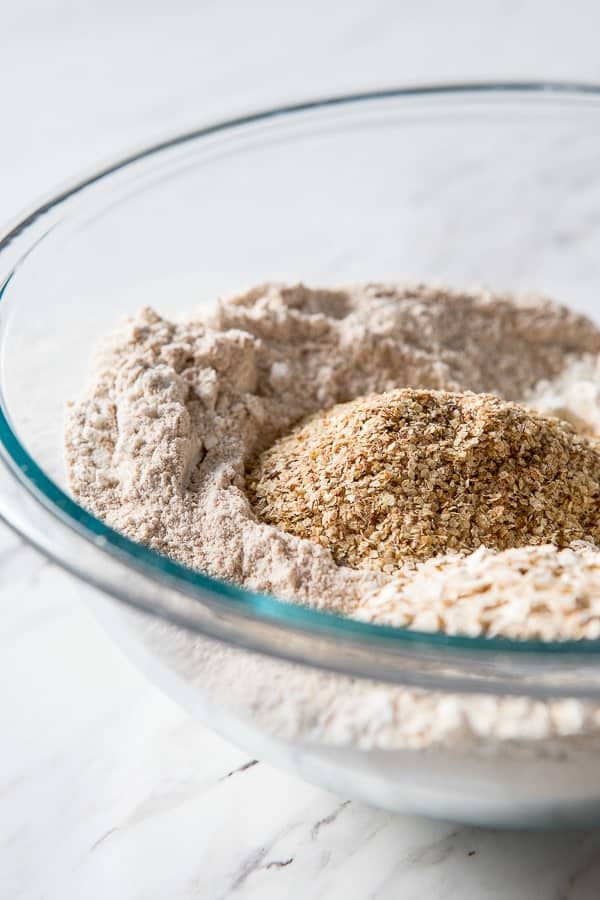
(492, 184)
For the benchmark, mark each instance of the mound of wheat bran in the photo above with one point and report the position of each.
(417, 473)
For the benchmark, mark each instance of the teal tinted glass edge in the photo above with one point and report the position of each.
(268, 608)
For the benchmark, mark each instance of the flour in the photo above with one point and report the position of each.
(159, 443)
(573, 395)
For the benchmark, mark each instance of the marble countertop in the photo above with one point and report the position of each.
(107, 789)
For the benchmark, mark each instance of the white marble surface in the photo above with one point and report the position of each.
(106, 788)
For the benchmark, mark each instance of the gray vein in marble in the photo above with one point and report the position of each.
(248, 866)
(279, 864)
(328, 820)
(155, 804)
(243, 768)
(431, 856)
(103, 837)
(253, 863)
(583, 881)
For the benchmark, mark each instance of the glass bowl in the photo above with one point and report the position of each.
(469, 185)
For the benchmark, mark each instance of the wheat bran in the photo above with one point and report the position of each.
(414, 473)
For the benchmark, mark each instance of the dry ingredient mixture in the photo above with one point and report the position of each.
(428, 499)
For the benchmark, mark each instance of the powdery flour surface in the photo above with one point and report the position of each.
(159, 443)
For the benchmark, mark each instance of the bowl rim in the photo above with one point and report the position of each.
(24, 470)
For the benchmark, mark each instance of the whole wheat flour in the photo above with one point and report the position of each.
(158, 445)
(175, 413)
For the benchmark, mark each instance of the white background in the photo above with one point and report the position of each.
(106, 788)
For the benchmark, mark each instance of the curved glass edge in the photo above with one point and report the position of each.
(94, 530)
(512, 88)
(32, 478)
